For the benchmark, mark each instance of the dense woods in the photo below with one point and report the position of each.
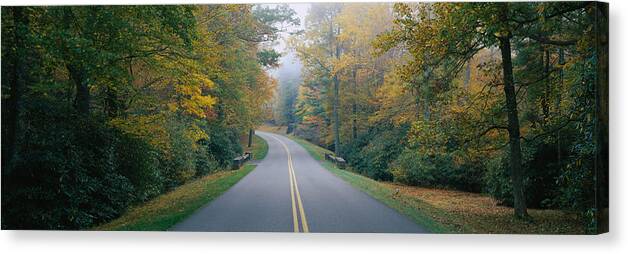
(508, 99)
(104, 107)
(107, 107)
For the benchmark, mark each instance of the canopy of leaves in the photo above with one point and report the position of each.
(108, 106)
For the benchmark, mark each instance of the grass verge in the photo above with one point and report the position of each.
(260, 148)
(281, 130)
(168, 209)
(448, 211)
(379, 191)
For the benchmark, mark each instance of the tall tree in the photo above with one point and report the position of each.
(514, 136)
(319, 48)
(123, 103)
(424, 30)
(17, 79)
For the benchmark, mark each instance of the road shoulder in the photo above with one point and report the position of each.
(166, 210)
(450, 211)
(379, 191)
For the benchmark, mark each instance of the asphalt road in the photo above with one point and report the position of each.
(290, 191)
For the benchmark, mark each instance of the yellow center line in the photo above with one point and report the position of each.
(295, 222)
(294, 191)
(301, 211)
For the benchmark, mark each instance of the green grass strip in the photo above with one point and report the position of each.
(416, 210)
(260, 148)
(166, 210)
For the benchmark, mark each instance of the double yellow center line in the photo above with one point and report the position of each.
(294, 192)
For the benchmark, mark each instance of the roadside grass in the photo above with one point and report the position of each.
(480, 213)
(281, 130)
(168, 209)
(419, 213)
(260, 148)
(449, 211)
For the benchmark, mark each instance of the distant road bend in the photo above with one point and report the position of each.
(290, 191)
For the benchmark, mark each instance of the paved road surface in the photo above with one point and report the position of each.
(289, 191)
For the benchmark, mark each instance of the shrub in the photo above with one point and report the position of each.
(138, 162)
(413, 168)
(205, 163)
(73, 172)
(541, 175)
(177, 162)
(372, 152)
(497, 180)
(223, 144)
(575, 181)
(66, 173)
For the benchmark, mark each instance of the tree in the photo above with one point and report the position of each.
(425, 31)
(123, 103)
(17, 78)
(514, 135)
(320, 49)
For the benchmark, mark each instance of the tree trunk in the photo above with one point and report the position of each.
(467, 75)
(600, 12)
(561, 76)
(427, 74)
(545, 100)
(19, 83)
(251, 133)
(426, 110)
(82, 98)
(76, 70)
(513, 122)
(354, 107)
(417, 102)
(336, 95)
(335, 115)
(112, 105)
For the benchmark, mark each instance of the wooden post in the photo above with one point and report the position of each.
(251, 133)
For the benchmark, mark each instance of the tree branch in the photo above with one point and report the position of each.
(316, 59)
(486, 131)
(553, 130)
(575, 7)
(545, 40)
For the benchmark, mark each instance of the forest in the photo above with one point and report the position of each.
(107, 107)
(104, 107)
(507, 99)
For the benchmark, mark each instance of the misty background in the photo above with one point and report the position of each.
(288, 74)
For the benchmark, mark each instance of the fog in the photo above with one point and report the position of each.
(289, 72)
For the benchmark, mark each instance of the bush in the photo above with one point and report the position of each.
(576, 181)
(497, 180)
(411, 170)
(223, 144)
(177, 163)
(66, 173)
(139, 162)
(541, 175)
(372, 152)
(416, 169)
(205, 163)
(74, 172)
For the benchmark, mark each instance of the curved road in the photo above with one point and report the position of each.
(290, 191)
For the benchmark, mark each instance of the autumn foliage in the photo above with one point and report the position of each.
(104, 107)
(500, 98)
